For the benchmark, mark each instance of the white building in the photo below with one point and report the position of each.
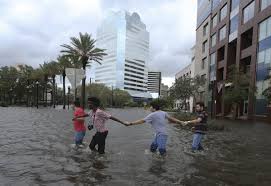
(188, 71)
(126, 40)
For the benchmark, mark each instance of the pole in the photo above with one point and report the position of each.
(54, 93)
(37, 99)
(64, 91)
(75, 89)
(69, 89)
(112, 97)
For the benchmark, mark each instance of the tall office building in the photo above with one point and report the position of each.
(202, 44)
(154, 82)
(240, 35)
(126, 40)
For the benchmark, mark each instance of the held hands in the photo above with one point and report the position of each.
(127, 123)
(185, 123)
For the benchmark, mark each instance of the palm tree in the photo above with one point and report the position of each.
(84, 48)
(36, 76)
(54, 69)
(45, 67)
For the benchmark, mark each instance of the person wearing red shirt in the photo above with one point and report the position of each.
(79, 124)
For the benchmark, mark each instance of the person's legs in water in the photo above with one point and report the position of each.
(154, 145)
(200, 147)
(101, 141)
(93, 142)
(83, 133)
(162, 142)
(79, 137)
(196, 141)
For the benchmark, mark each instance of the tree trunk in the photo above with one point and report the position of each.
(64, 90)
(234, 112)
(83, 90)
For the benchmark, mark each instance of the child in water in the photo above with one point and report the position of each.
(79, 124)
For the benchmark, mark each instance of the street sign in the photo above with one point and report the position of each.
(75, 76)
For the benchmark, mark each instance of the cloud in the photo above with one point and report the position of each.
(32, 31)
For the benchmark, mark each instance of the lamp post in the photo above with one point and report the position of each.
(69, 90)
(10, 99)
(27, 95)
(112, 96)
(37, 98)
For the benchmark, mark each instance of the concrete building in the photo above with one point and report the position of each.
(188, 71)
(164, 91)
(126, 40)
(154, 82)
(240, 35)
(202, 45)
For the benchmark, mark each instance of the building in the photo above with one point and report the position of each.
(126, 40)
(187, 72)
(202, 44)
(240, 35)
(154, 82)
(164, 91)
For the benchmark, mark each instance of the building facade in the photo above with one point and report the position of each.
(154, 82)
(164, 91)
(202, 45)
(187, 72)
(126, 40)
(240, 35)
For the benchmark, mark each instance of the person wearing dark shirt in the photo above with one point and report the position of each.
(200, 126)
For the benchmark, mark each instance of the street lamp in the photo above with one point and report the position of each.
(69, 90)
(10, 99)
(37, 99)
(27, 95)
(112, 96)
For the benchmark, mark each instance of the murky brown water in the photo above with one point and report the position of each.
(35, 150)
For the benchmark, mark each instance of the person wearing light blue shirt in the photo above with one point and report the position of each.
(157, 119)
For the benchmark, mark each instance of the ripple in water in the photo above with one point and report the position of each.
(35, 149)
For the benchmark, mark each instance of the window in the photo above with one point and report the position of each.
(203, 63)
(212, 59)
(265, 29)
(222, 33)
(223, 12)
(213, 40)
(234, 24)
(205, 29)
(204, 46)
(265, 4)
(212, 73)
(234, 4)
(248, 12)
(214, 21)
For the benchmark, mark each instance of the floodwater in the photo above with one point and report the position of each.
(35, 149)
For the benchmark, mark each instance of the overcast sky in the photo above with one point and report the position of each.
(32, 30)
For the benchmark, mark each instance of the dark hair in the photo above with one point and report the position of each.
(155, 105)
(77, 103)
(201, 104)
(95, 101)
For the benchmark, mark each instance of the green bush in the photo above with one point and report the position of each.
(3, 104)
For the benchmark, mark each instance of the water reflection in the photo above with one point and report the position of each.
(35, 148)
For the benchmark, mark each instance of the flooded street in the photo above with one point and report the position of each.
(35, 149)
